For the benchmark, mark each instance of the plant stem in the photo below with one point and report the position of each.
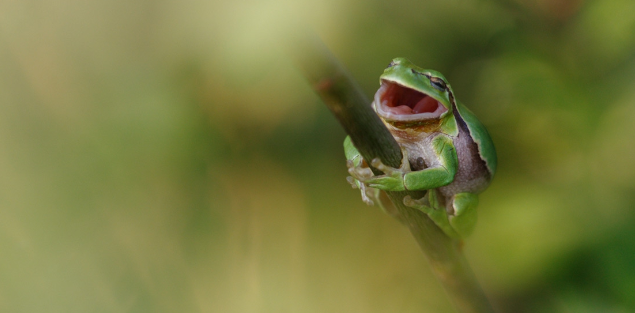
(372, 139)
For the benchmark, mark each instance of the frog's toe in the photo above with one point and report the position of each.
(378, 164)
(415, 203)
(366, 195)
(391, 171)
(367, 200)
(407, 200)
(352, 181)
(419, 204)
(360, 173)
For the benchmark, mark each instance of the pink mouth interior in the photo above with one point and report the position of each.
(400, 100)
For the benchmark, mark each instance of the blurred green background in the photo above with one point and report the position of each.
(165, 156)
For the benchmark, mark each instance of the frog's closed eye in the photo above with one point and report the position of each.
(391, 64)
(438, 83)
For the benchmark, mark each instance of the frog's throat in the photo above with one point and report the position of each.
(414, 133)
(423, 126)
(406, 106)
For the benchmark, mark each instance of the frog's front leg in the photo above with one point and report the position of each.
(393, 178)
(440, 174)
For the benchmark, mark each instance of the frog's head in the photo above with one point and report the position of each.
(411, 95)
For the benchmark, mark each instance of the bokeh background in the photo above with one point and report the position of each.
(166, 156)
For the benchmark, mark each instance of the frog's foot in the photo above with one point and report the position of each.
(390, 171)
(420, 204)
(393, 178)
(367, 192)
(359, 175)
(464, 217)
(438, 215)
(358, 172)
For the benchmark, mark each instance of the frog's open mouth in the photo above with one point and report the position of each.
(399, 103)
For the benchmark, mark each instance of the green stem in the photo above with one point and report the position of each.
(351, 107)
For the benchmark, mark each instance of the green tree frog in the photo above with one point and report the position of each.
(446, 150)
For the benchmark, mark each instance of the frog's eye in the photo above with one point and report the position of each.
(438, 83)
(392, 63)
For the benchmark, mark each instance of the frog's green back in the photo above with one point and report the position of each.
(480, 136)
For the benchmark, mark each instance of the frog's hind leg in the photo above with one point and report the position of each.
(463, 214)
(431, 206)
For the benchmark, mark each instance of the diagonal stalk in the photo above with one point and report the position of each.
(351, 107)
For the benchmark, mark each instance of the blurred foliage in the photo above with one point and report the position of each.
(166, 157)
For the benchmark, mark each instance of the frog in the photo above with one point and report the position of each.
(447, 152)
